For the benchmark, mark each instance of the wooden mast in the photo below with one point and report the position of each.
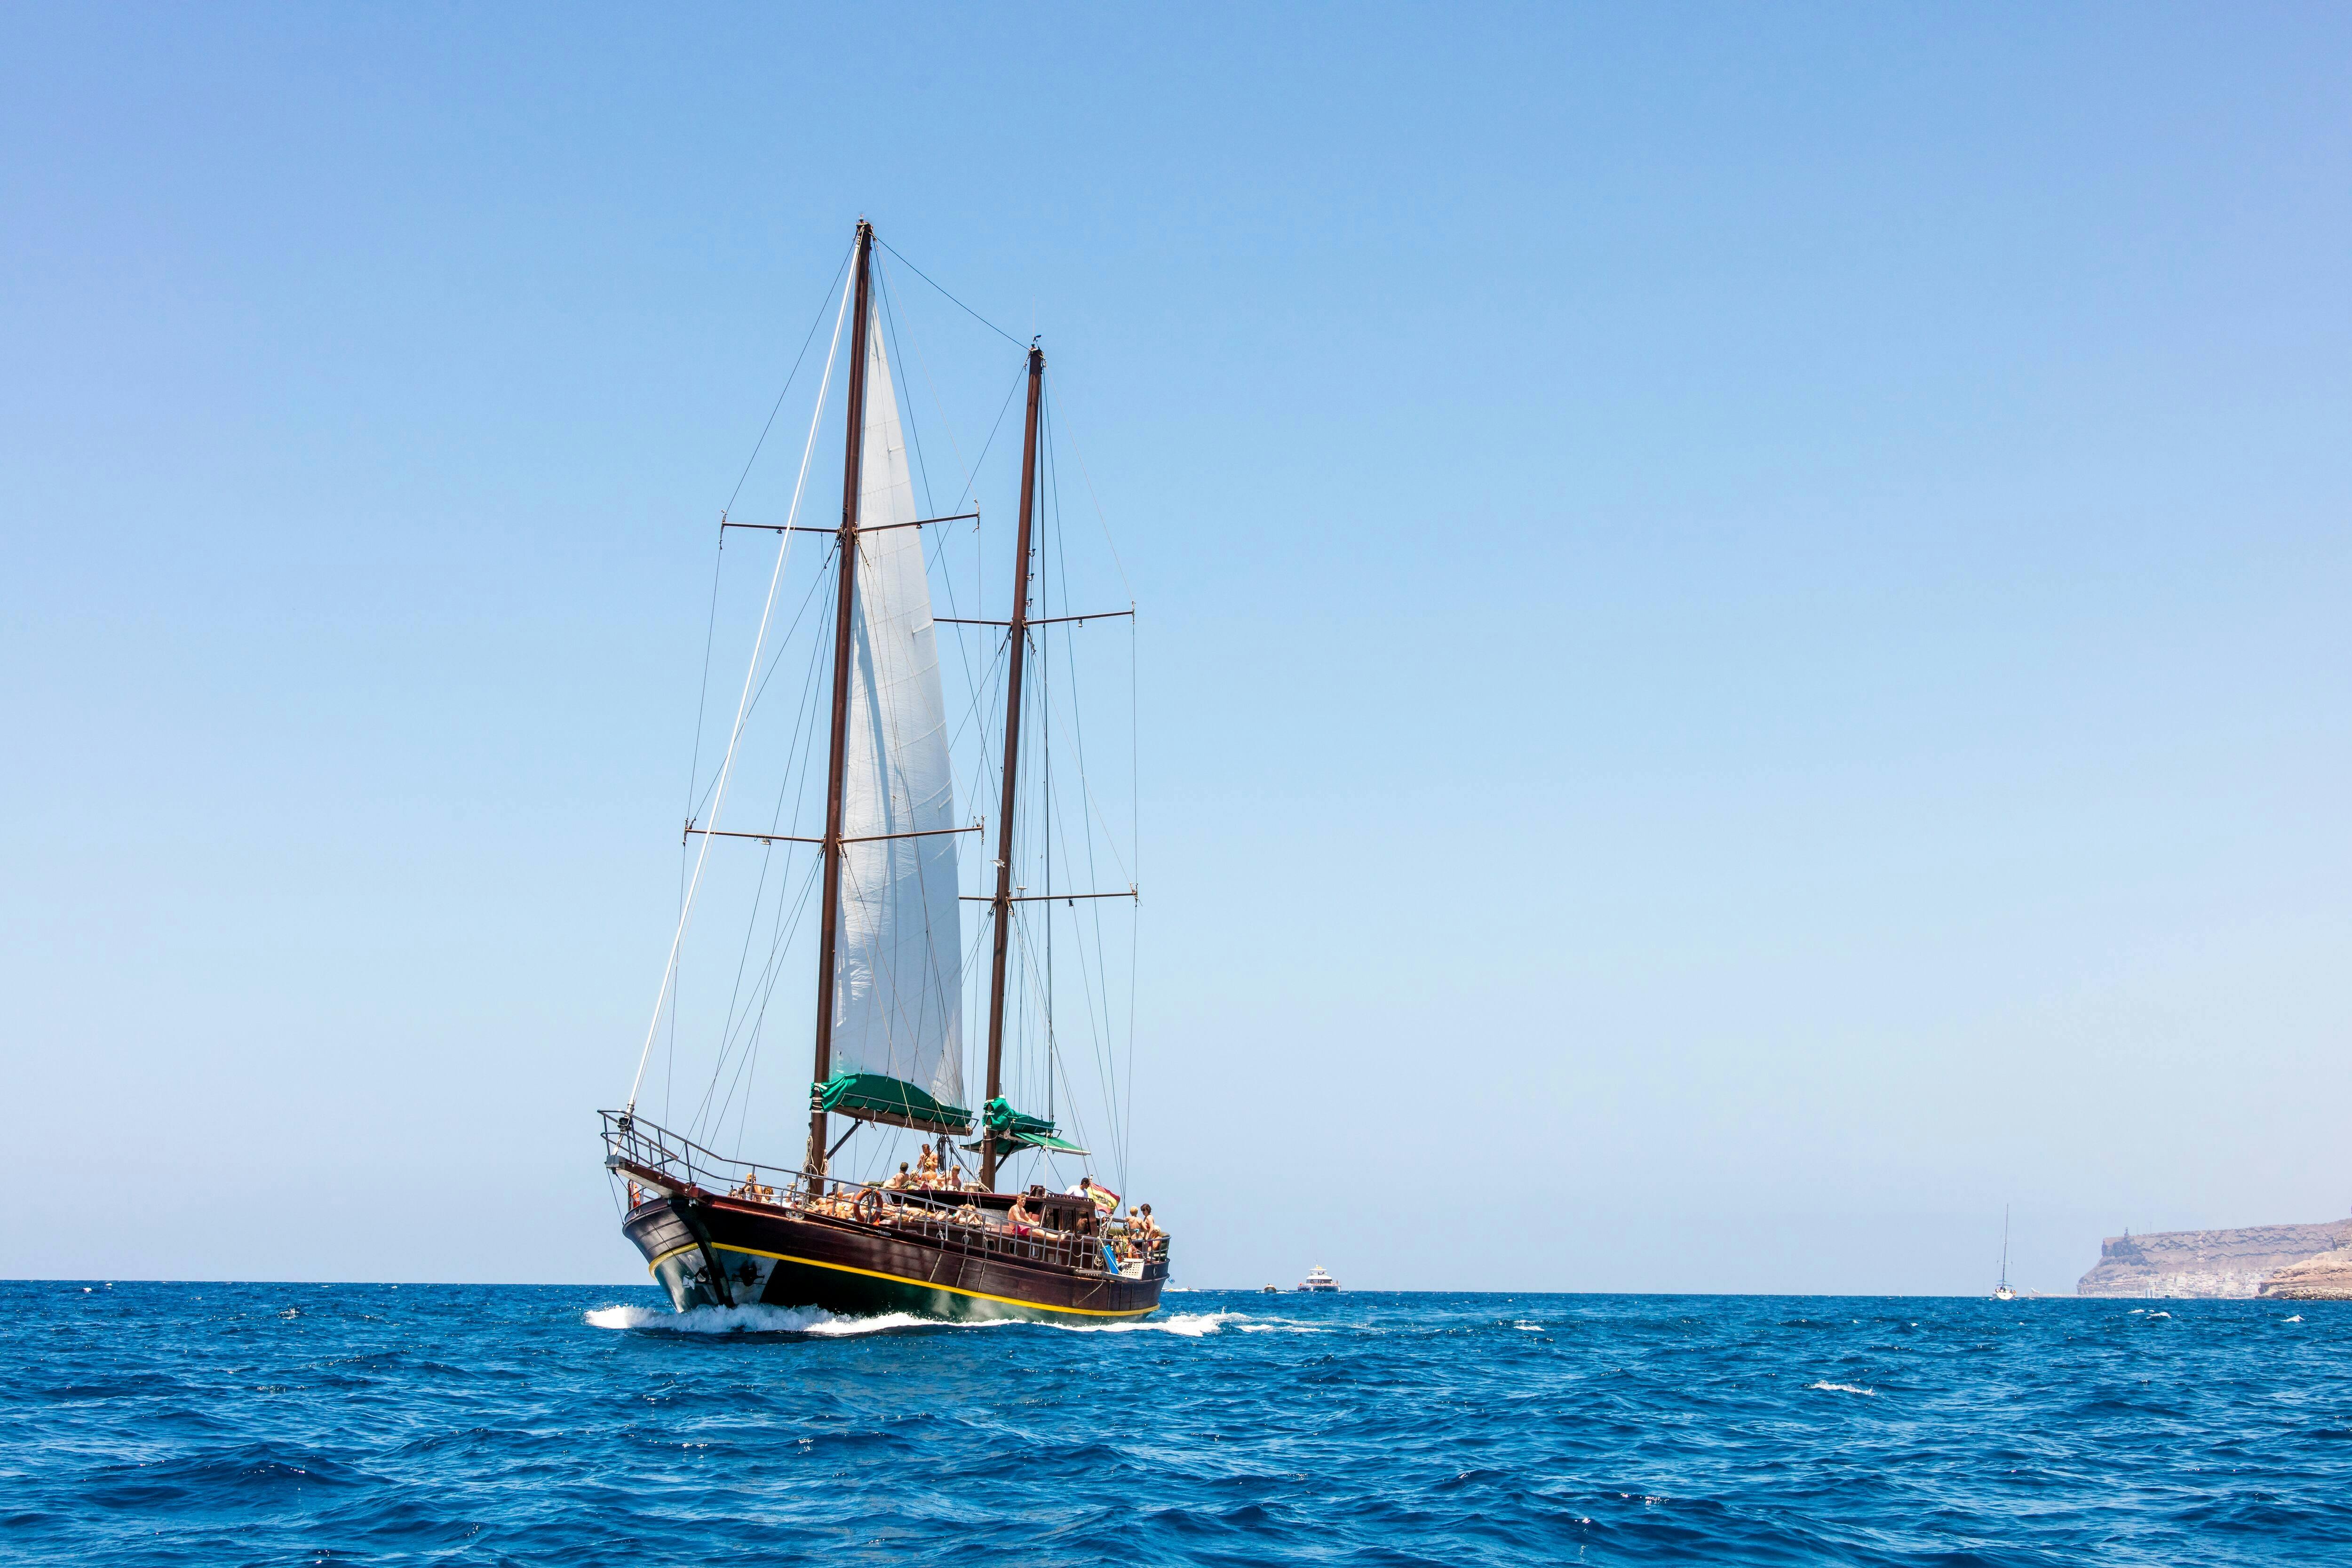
(1001, 907)
(844, 604)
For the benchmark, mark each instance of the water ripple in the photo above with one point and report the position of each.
(162, 1424)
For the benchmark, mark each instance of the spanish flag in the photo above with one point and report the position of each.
(1105, 1199)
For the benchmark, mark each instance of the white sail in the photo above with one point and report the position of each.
(899, 953)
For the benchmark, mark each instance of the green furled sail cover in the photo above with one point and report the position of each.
(1010, 1132)
(878, 1098)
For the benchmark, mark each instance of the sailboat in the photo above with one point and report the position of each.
(2002, 1292)
(719, 1230)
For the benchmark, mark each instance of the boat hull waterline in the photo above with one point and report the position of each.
(719, 1253)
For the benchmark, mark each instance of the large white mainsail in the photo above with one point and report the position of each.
(898, 960)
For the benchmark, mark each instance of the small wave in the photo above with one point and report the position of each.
(1528, 1327)
(1842, 1388)
(1190, 1325)
(2296, 1319)
(2154, 1316)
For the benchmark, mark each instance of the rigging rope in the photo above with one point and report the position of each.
(797, 359)
(800, 752)
(735, 736)
(959, 304)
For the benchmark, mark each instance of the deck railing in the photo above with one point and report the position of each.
(944, 1217)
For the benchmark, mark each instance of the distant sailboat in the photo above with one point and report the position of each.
(2002, 1292)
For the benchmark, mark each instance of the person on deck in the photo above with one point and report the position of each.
(927, 1167)
(1021, 1219)
(902, 1181)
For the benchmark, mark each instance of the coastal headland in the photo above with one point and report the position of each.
(2287, 1262)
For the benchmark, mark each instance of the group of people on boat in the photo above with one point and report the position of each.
(1127, 1237)
(1139, 1235)
(929, 1173)
(1134, 1235)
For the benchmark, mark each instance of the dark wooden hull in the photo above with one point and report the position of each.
(714, 1252)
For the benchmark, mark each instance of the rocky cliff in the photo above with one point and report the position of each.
(2212, 1262)
(2327, 1278)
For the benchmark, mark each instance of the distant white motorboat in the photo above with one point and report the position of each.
(1317, 1280)
(2002, 1292)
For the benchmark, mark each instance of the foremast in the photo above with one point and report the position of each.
(1000, 906)
(845, 610)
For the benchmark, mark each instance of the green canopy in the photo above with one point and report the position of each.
(1011, 1132)
(873, 1096)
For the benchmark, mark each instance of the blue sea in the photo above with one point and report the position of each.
(150, 1423)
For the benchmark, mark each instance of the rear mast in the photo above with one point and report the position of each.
(844, 605)
(1001, 907)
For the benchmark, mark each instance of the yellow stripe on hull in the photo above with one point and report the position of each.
(903, 1280)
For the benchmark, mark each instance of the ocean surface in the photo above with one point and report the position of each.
(356, 1423)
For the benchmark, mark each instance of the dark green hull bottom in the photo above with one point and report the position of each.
(718, 1254)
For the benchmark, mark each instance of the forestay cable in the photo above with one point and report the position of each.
(743, 705)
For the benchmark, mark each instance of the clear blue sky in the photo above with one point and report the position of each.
(1746, 652)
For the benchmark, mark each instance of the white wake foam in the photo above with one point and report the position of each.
(758, 1320)
(817, 1320)
(1842, 1388)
